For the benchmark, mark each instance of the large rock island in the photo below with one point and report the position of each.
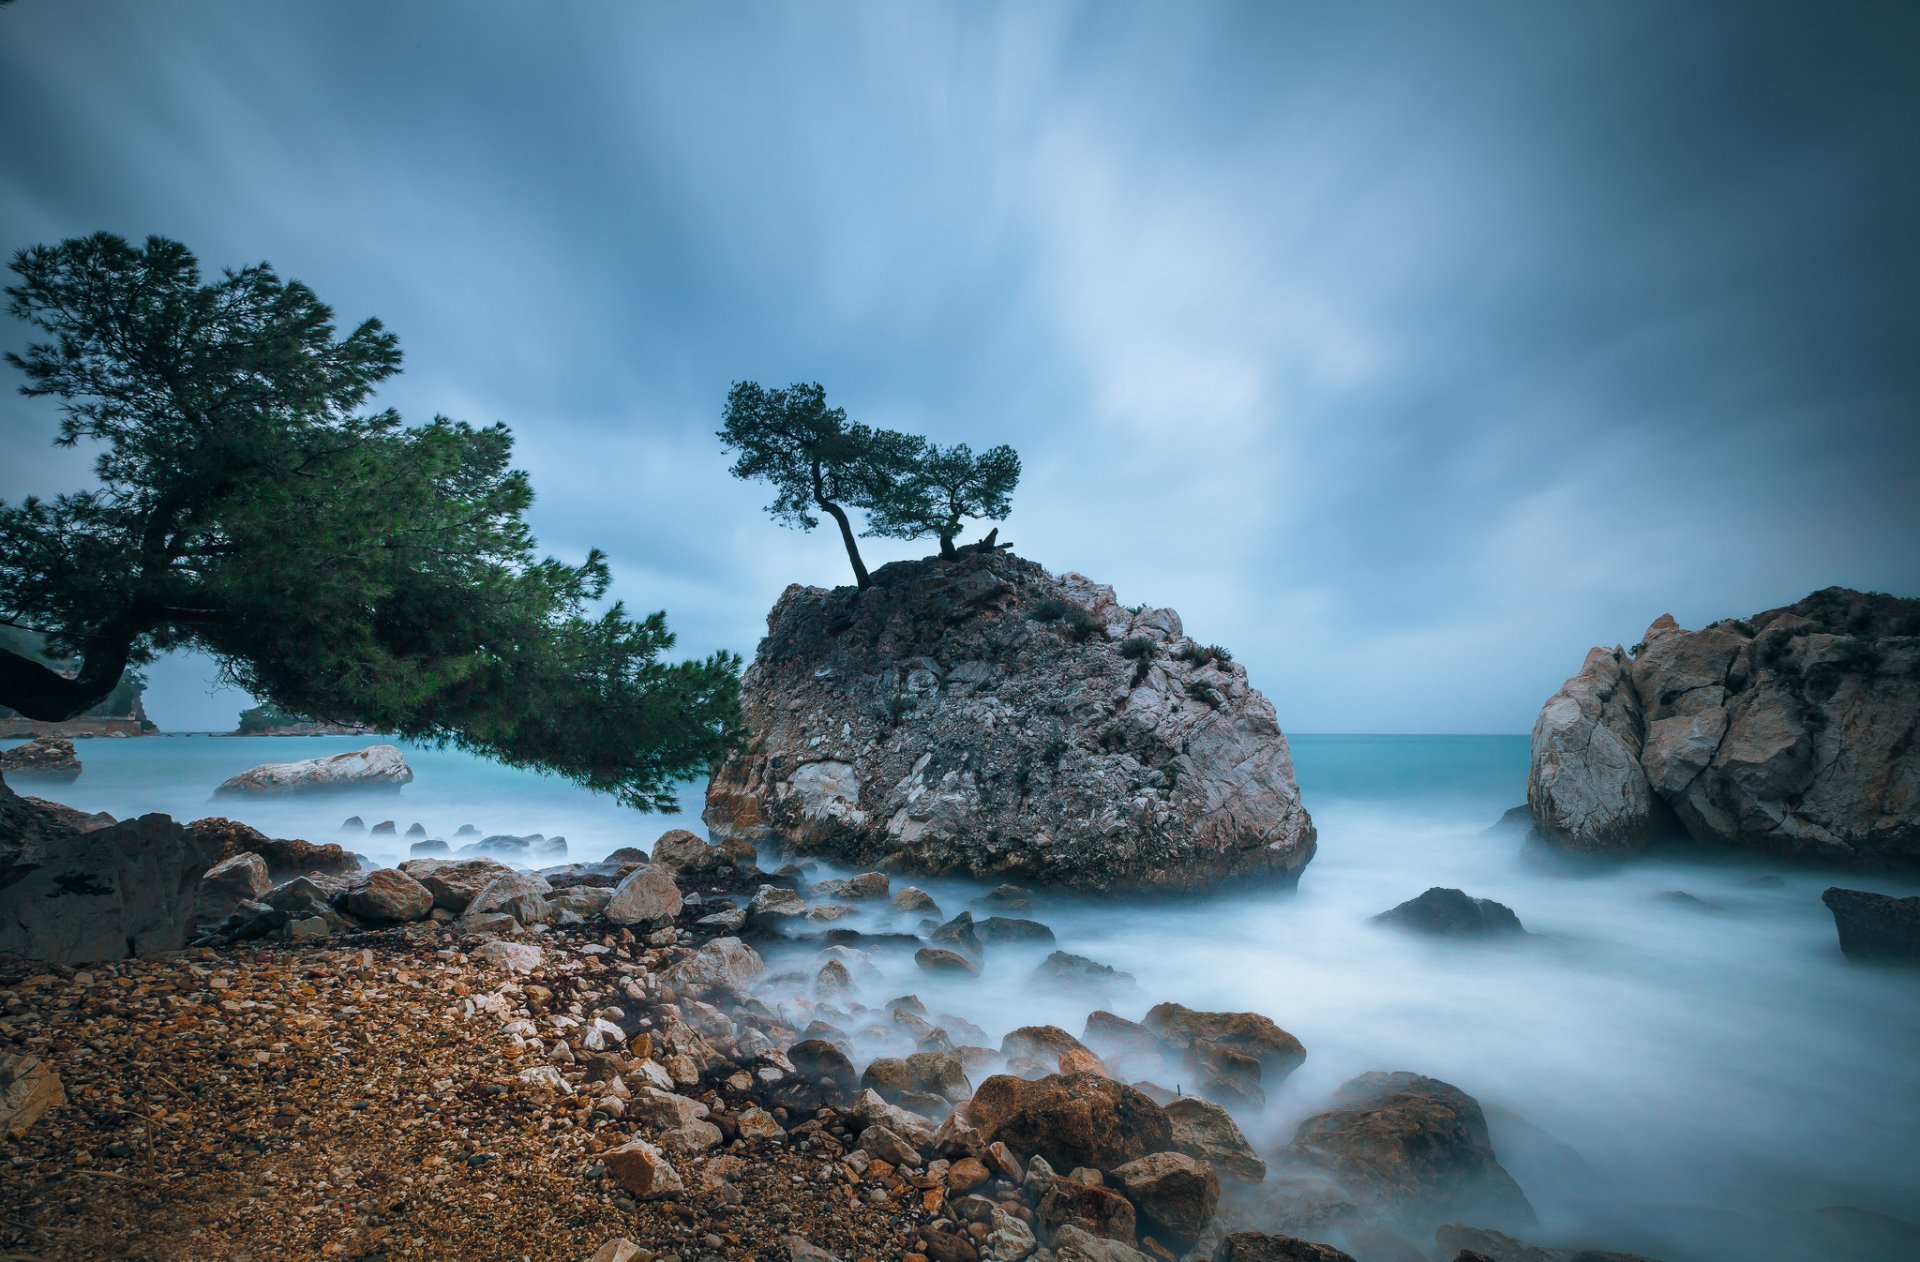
(982, 716)
(1791, 732)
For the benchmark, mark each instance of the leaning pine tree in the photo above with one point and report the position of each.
(333, 561)
(945, 486)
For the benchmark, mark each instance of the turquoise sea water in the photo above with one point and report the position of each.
(1676, 1079)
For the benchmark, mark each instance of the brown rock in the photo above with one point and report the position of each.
(1203, 1129)
(935, 960)
(44, 758)
(390, 896)
(29, 1089)
(1255, 1246)
(1094, 1209)
(454, 882)
(642, 1170)
(966, 1174)
(1175, 1194)
(1071, 1120)
(1278, 1052)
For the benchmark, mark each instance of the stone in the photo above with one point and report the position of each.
(1278, 1052)
(799, 1249)
(1099, 1211)
(941, 1074)
(774, 905)
(515, 957)
(1457, 1240)
(645, 896)
(72, 817)
(1451, 913)
(304, 895)
(125, 890)
(1063, 973)
(522, 895)
(44, 759)
(1257, 1246)
(874, 740)
(454, 882)
(284, 856)
(389, 896)
(1074, 1244)
(958, 935)
(1005, 929)
(1788, 733)
(619, 1249)
(1010, 1239)
(882, 1142)
(229, 883)
(375, 767)
(1007, 898)
(756, 1123)
(642, 1171)
(1176, 1194)
(1117, 1038)
(1203, 1129)
(826, 1077)
(934, 960)
(722, 964)
(1070, 1119)
(870, 1109)
(1044, 1043)
(1875, 926)
(684, 854)
(888, 1075)
(29, 1090)
(914, 899)
(431, 848)
(1412, 1149)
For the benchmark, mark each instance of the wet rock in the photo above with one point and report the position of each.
(1070, 1119)
(229, 883)
(1875, 926)
(454, 882)
(689, 856)
(941, 961)
(1043, 1043)
(521, 895)
(305, 895)
(385, 828)
(1255, 1246)
(585, 901)
(72, 817)
(1204, 1130)
(1065, 973)
(873, 741)
(1117, 1038)
(645, 896)
(722, 964)
(1007, 898)
(1451, 913)
(958, 935)
(1277, 1052)
(1075, 1244)
(642, 1171)
(869, 1109)
(376, 767)
(284, 856)
(1095, 1210)
(1006, 929)
(1413, 1149)
(44, 759)
(428, 849)
(940, 1074)
(913, 899)
(390, 897)
(868, 887)
(1176, 1194)
(888, 1075)
(773, 906)
(825, 1070)
(125, 890)
(620, 1249)
(29, 1090)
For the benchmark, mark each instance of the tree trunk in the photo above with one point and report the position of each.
(947, 550)
(41, 693)
(853, 550)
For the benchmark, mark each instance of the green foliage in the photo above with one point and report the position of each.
(942, 486)
(897, 707)
(1054, 609)
(265, 718)
(1200, 690)
(333, 561)
(1140, 649)
(1056, 750)
(1203, 655)
(1637, 649)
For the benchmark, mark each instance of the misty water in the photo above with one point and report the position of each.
(1662, 1075)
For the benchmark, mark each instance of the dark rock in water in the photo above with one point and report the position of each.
(1258, 1246)
(1063, 971)
(1516, 819)
(1414, 1150)
(120, 891)
(941, 961)
(285, 856)
(73, 817)
(49, 759)
(416, 830)
(1457, 1240)
(466, 830)
(1692, 902)
(385, 828)
(1071, 1120)
(1453, 913)
(916, 726)
(1068, 1204)
(428, 849)
(1875, 926)
(1115, 1037)
(958, 934)
(1006, 898)
(353, 824)
(1765, 881)
(1007, 929)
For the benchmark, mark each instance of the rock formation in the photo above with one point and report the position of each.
(42, 758)
(1791, 732)
(375, 767)
(1875, 926)
(982, 716)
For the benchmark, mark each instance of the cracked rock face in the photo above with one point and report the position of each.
(935, 724)
(1791, 732)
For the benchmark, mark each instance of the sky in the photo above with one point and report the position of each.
(1409, 350)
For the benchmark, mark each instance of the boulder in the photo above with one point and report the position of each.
(917, 726)
(515, 957)
(915, 899)
(1063, 973)
(642, 1171)
(1258, 1246)
(1098, 1211)
(522, 895)
(125, 890)
(454, 882)
(684, 854)
(647, 895)
(1277, 1052)
(229, 883)
(935, 960)
(1788, 733)
(73, 817)
(44, 759)
(722, 964)
(389, 896)
(1176, 1194)
(1875, 926)
(1451, 913)
(1203, 1129)
(284, 856)
(1070, 1119)
(1414, 1150)
(1075, 1244)
(375, 767)
(1004, 929)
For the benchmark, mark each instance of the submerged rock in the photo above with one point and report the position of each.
(375, 767)
(1258, 1246)
(1451, 913)
(982, 716)
(1875, 926)
(44, 758)
(1790, 732)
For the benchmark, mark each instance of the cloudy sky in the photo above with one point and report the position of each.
(1407, 349)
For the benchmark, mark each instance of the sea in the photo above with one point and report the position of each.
(1677, 1060)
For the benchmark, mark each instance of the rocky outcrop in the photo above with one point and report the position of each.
(1451, 913)
(1792, 732)
(1070, 1119)
(1875, 926)
(982, 716)
(124, 890)
(375, 767)
(44, 759)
